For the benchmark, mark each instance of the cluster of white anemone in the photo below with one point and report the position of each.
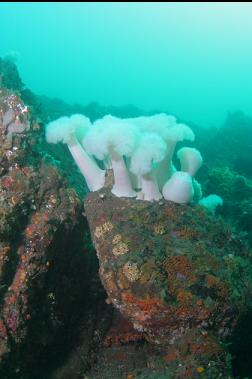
(138, 150)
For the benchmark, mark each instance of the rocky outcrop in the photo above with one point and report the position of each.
(46, 257)
(181, 277)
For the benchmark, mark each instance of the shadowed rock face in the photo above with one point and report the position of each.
(45, 255)
(178, 275)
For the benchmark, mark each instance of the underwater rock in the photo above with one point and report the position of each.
(236, 189)
(14, 123)
(180, 276)
(231, 144)
(9, 75)
(46, 258)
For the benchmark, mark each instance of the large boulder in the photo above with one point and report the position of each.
(180, 276)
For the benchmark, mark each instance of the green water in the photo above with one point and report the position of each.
(192, 60)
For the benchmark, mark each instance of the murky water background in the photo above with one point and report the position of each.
(189, 59)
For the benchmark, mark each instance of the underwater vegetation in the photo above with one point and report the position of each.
(177, 276)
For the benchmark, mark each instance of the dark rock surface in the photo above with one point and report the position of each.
(236, 190)
(46, 258)
(231, 145)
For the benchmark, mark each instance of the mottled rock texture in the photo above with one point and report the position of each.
(181, 277)
(46, 258)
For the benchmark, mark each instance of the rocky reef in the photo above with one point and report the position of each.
(227, 170)
(181, 277)
(178, 280)
(46, 257)
(231, 144)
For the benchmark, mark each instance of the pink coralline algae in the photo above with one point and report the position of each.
(13, 117)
